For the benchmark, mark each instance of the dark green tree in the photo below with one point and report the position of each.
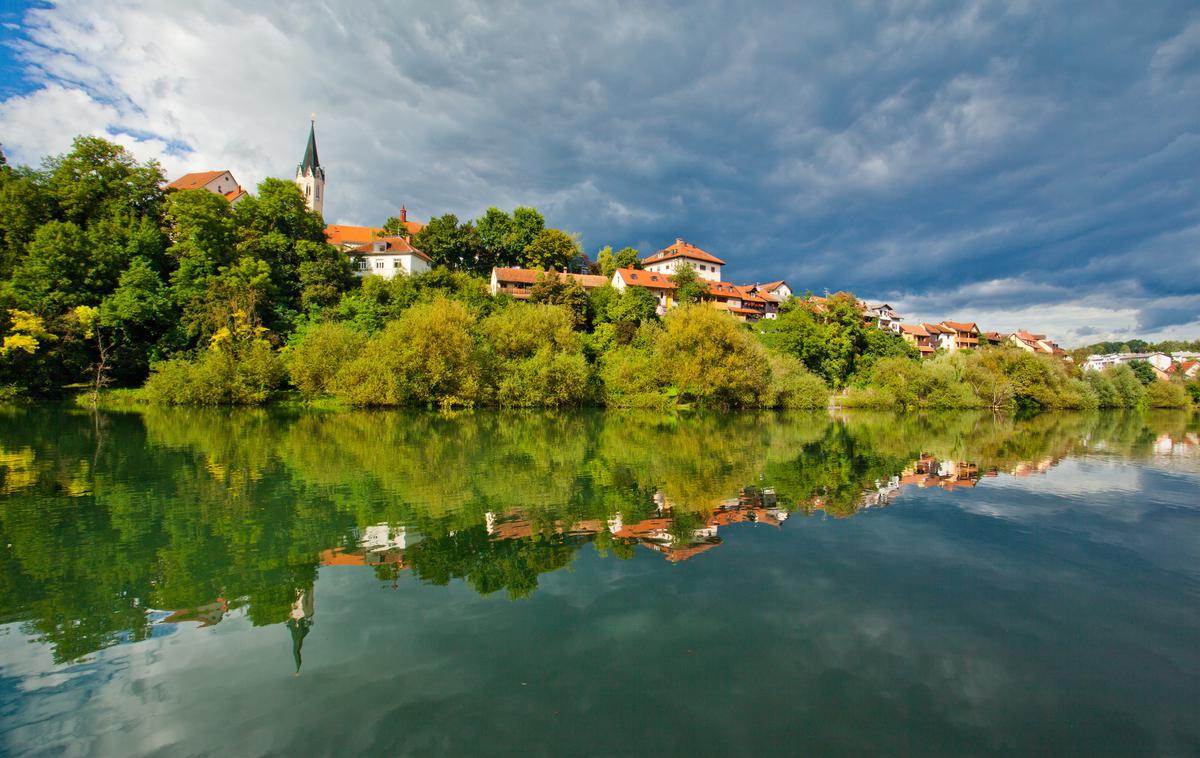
(689, 287)
(550, 249)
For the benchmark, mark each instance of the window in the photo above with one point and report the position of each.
(396, 263)
(379, 263)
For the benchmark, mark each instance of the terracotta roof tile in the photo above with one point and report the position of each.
(392, 246)
(195, 180)
(683, 249)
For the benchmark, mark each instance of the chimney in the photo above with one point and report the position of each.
(403, 214)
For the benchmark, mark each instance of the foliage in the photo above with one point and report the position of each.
(689, 287)
(318, 352)
(791, 385)
(551, 249)
(608, 262)
(566, 291)
(1166, 395)
(1144, 372)
(710, 358)
(450, 243)
(427, 356)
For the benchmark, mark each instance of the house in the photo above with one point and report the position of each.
(519, 282)
(779, 289)
(389, 256)
(218, 182)
(966, 335)
(919, 337)
(941, 337)
(770, 300)
(885, 317)
(1035, 343)
(1187, 369)
(670, 259)
(346, 237)
(1160, 361)
(659, 284)
(993, 338)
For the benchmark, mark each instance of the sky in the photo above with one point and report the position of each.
(1018, 164)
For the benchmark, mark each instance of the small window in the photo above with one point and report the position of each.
(633, 276)
(396, 263)
(379, 264)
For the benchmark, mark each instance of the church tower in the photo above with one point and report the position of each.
(310, 177)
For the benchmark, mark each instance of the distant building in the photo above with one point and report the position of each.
(920, 338)
(519, 282)
(310, 177)
(670, 259)
(885, 317)
(1035, 343)
(1160, 361)
(388, 257)
(966, 335)
(218, 182)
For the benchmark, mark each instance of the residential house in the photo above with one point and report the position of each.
(779, 289)
(1187, 369)
(966, 335)
(389, 256)
(1160, 361)
(218, 182)
(519, 282)
(919, 337)
(885, 317)
(659, 284)
(1035, 343)
(941, 337)
(346, 237)
(770, 300)
(993, 338)
(670, 259)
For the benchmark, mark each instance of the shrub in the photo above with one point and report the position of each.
(241, 375)
(426, 356)
(535, 357)
(628, 379)
(1166, 395)
(1126, 384)
(318, 353)
(710, 358)
(791, 385)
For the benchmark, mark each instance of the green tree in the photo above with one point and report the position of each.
(450, 244)
(554, 289)
(527, 224)
(710, 358)
(551, 249)
(1144, 372)
(689, 287)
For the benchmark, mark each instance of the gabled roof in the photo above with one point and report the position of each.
(639, 278)
(683, 249)
(344, 234)
(914, 329)
(392, 246)
(530, 275)
(937, 329)
(959, 326)
(196, 180)
(769, 286)
(235, 194)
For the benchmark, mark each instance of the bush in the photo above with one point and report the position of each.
(710, 358)
(1126, 384)
(629, 380)
(535, 357)
(1166, 395)
(791, 385)
(241, 375)
(427, 356)
(318, 353)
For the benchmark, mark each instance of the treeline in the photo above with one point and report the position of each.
(107, 278)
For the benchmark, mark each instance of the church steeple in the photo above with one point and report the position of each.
(310, 176)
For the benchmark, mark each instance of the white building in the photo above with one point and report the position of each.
(389, 256)
(1160, 361)
(668, 260)
(218, 182)
(885, 316)
(310, 177)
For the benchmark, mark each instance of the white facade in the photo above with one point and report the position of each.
(390, 264)
(1160, 361)
(704, 269)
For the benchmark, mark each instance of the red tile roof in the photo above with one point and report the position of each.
(344, 234)
(196, 180)
(530, 275)
(959, 326)
(683, 249)
(638, 278)
(914, 329)
(392, 246)
(235, 194)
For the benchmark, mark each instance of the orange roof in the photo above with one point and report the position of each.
(392, 245)
(958, 326)
(638, 278)
(683, 249)
(937, 329)
(195, 180)
(772, 285)
(915, 329)
(530, 275)
(235, 194)
(344, 234)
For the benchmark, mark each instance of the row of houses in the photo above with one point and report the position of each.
(1165, 365)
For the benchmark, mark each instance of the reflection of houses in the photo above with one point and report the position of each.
(210, 614)
(374, 546)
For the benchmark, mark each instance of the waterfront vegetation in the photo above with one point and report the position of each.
(109, 280)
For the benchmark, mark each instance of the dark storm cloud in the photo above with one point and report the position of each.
(947, 156)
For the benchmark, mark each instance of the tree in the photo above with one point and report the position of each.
(554, 289)
(527, 224)
(1144, 372)
(609, 262)
(140, 318)
(449, 243)
(689, 287)
(551, 249)
(495, 231)
(394, 227)
(710, 358)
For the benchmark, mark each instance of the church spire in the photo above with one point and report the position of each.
(310, 176)
(310, 162)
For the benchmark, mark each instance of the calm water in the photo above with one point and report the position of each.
(402, 583)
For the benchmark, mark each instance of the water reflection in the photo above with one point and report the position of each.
(121, 524)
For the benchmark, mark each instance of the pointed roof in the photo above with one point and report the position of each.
(683, 249)
(311, 162)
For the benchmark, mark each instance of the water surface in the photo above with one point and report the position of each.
(246, 582)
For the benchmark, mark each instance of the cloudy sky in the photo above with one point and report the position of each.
(1019, 164)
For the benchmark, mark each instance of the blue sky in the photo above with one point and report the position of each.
(1019, 164)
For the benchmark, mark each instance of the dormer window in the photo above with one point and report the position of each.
(380, 246)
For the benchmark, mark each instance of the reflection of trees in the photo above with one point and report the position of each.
(181, 507)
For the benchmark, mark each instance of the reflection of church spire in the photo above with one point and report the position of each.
(300, 623)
